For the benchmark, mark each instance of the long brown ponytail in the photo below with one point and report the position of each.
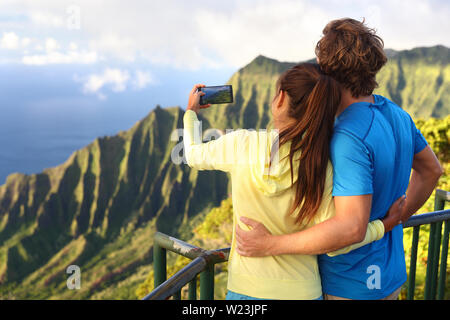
(314, 99)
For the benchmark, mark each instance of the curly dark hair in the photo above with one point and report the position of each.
(352, 54)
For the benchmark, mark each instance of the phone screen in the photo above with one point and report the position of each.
(217, 94)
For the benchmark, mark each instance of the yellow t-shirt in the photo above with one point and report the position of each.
(265, 196)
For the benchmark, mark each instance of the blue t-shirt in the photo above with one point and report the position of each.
(372, 151)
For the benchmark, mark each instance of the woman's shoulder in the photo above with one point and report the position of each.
(250, 135)
(239, 135)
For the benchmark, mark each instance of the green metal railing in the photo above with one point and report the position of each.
(433, 284)
(203, 261)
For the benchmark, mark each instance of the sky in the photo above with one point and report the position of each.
(74, 70)
(192, 36)
(201, 34)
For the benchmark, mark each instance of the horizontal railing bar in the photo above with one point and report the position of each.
(178, 280)
(427, 218)
(178, 246)
(218, 255)
(442, 194)
(190, 251)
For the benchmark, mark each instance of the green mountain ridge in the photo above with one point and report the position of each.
(100, 208)
(418, 80)
(100, 199)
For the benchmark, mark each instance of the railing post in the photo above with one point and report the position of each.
(207, 283)
(159, 264)
(443, 270)
(436, 254)
(430, 262)
(177, 295)
(439, 204)
(434, 246)
(192, 290)
(412, 264)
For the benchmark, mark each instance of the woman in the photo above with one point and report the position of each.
(281, 180)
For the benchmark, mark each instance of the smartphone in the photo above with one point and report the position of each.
(216, 95)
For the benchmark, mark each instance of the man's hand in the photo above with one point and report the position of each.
(395, 215)
(257, 242)
(194, 99)
(425, 175)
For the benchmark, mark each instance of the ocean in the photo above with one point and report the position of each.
(45, 115)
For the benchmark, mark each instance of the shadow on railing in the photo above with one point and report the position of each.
(203, 261)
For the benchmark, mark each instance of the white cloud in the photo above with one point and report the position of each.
(73, 46)
(119, 46)
(116, 80)
(10, 41)
(218, 33)
(25, 42)
(286, 30)
(51, 45)
(44, 52)
(115, 77)
(142, 79)
(47, 19)
(56, 57)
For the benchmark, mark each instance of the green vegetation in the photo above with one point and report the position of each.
(100, 208)
(419, 81)
(437, 133)
(213, 233)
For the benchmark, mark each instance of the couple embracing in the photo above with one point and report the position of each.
(319, 205)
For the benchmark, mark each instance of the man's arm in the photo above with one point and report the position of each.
(425, 175)
(260, 242)
(347, 227)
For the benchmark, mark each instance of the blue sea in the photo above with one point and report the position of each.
(45, 115)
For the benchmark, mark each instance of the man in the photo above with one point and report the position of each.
(375, 146)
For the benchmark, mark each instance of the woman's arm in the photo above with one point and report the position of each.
(219, 154)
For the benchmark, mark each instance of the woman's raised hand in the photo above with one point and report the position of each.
(194, 99)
